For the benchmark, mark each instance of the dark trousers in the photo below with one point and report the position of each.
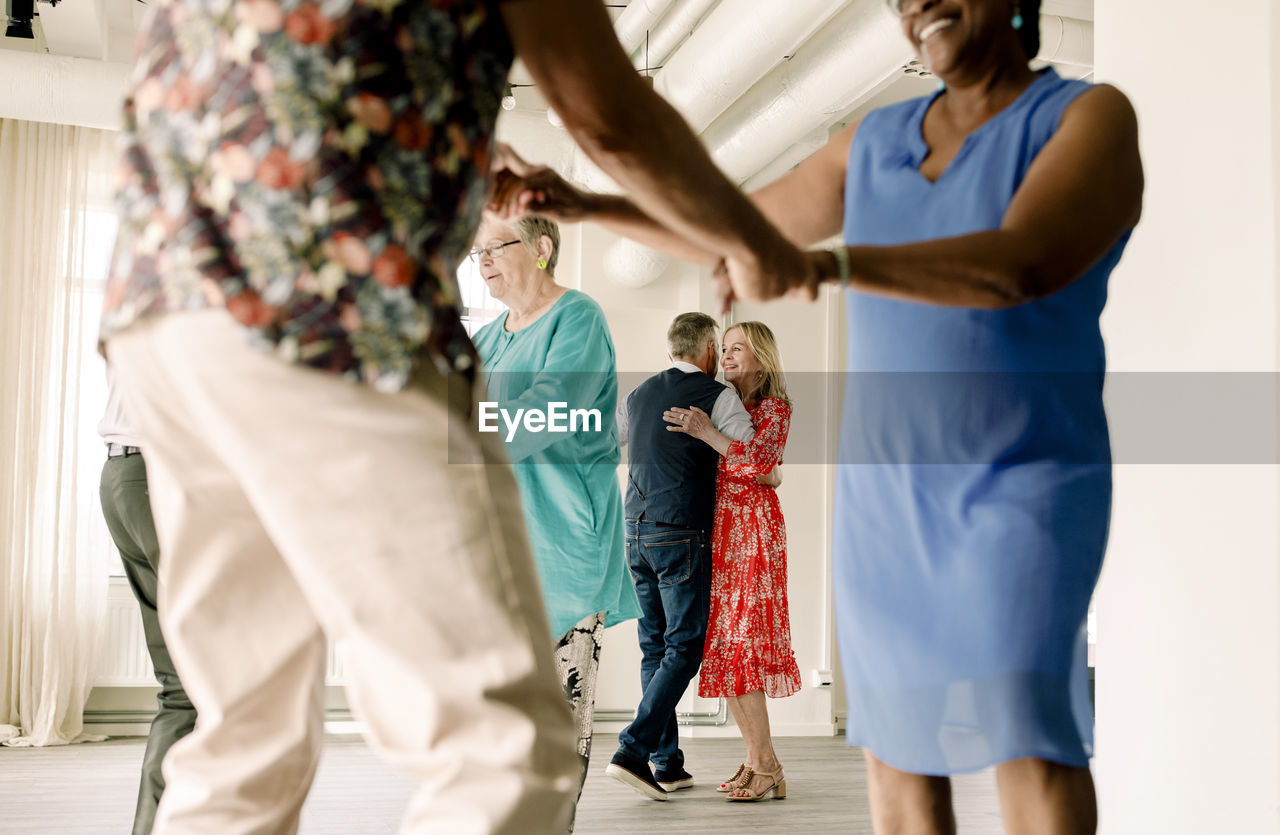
(671, 568)
(127, 508)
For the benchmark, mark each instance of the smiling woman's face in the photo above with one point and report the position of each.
(950, 34)
(736, 358)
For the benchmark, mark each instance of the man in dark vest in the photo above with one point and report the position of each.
(669, 509)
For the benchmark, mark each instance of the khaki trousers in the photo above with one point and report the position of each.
(290, 506)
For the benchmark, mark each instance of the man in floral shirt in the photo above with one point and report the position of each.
(300, 181)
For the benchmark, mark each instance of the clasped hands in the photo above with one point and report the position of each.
(775, 269)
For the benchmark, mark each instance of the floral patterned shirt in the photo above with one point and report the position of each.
(318, 169)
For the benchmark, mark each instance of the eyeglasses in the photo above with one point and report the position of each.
(898, 7)
(493, 249)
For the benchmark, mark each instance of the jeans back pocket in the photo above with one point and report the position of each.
(672, 560)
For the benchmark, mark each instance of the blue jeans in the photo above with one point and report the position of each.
(671, 568)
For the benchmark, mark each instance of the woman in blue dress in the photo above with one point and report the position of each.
(980, 226)
(552, 346)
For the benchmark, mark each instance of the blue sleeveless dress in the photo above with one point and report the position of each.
(974, 480)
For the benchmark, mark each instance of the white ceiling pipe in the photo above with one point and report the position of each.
(844, 62)
(732, 49)
(790, 158)
(537, 140)
(725, 55)
(784, 117)
(65, 91)
(1079, 9)
(1065, 40)
(637, 19)
(586, 173)
(667, 34)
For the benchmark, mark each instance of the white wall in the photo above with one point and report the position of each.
(1188, 654)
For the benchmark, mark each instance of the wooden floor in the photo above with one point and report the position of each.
(91, 789)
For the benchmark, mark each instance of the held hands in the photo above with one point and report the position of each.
(692, 421)
(521, 188)
(783, 272)
(770, 268)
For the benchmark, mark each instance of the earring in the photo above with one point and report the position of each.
(542, 263)
(1017, 20)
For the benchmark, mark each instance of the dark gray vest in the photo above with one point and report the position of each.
(672, 475)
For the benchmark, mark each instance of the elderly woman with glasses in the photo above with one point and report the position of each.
(551, 354)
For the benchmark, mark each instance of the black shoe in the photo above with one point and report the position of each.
(674, 780)
(635, 774)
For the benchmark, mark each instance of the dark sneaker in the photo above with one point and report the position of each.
(673, 780)
(635, 774)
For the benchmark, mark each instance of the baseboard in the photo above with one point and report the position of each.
(128, 710)
(779, 729)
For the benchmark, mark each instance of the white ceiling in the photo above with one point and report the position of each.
(765, 83)
(731, 66)
(98, 29)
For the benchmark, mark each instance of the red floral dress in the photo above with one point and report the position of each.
(749, 635)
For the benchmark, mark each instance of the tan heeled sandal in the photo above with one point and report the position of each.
(778, 789)
(732, 783)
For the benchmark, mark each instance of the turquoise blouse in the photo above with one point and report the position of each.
(568, 479)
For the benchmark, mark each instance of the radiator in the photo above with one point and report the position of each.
(124, 661)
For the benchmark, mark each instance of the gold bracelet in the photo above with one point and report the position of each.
(841, 254)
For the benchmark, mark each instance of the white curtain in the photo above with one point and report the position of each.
(53, 579)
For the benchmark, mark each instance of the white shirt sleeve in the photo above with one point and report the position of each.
(621, 416)
(731, 418)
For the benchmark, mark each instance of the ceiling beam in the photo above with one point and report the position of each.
(65, 91)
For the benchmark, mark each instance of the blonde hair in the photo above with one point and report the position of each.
(771, 382)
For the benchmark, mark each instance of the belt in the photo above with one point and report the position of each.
(119, 451)
(662, 524)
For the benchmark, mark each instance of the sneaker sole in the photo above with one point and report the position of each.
(633, 782)
(677, 785)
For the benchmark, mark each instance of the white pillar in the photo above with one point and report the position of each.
(1188, 652)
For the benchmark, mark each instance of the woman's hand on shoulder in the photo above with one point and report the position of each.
(691, 421)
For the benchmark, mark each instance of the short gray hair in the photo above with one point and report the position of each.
(690, 333)
(530, 230)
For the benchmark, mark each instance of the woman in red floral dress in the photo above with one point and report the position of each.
(748, 651)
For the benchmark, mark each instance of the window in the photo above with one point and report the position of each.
(99, 234)
(478, 307)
